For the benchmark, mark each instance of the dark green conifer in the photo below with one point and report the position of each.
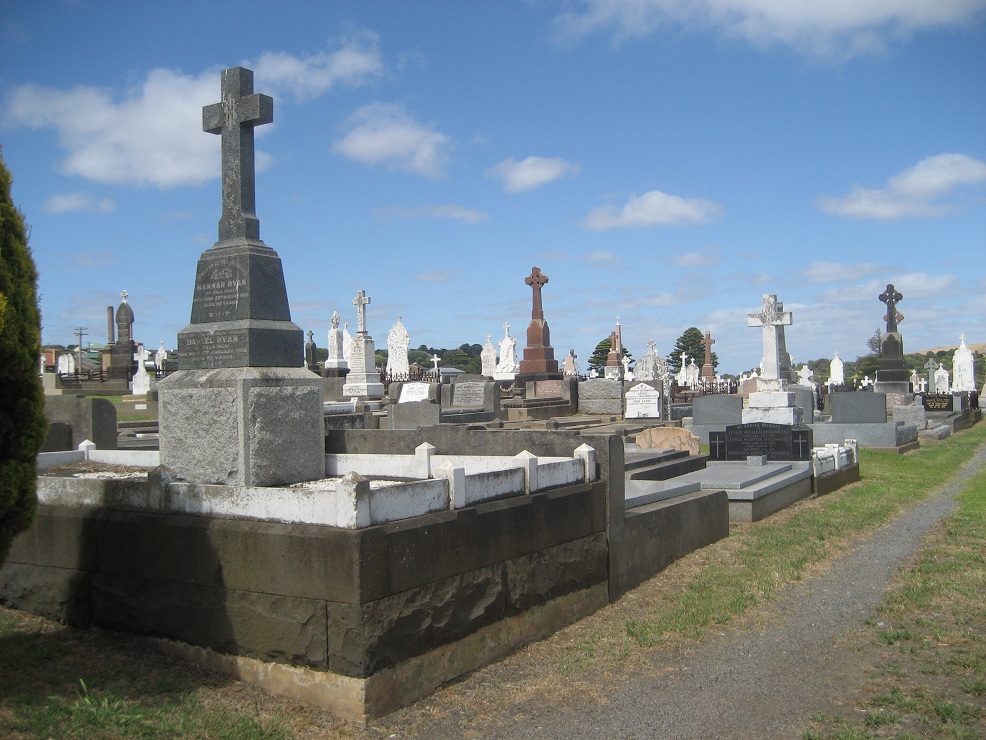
(23, 426)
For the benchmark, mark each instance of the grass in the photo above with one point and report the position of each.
(931, 638)
(772, 554)
(66, 683)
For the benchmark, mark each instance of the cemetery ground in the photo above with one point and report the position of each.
(914, 666)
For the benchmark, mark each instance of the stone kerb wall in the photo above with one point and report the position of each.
(326, 600)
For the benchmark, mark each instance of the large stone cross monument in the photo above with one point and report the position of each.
(771, 402)
(892, 375)
(772, 319)
(242, 409)
(708, 369)
(539, 356)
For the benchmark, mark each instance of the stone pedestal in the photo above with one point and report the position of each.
(539, 355)
(772, 407)
(243, 426)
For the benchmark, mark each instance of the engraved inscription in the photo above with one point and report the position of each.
(547, 389)
(219, 349)
(221, 286)
(938, 402)
(468, 395)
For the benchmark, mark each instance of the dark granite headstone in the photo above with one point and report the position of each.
(760, 439)
(858, 407)
(938, 401)
(717, 409)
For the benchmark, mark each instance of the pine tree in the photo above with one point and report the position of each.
(690, 342)
(23, 426)
(601, 353)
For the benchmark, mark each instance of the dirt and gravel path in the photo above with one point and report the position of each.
(761, 678)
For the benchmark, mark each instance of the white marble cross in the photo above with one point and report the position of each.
(771, 318)
(360, 301)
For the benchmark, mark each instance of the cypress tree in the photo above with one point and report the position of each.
(23, 426)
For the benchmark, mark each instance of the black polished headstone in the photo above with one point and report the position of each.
(774, 441)
(938, 401)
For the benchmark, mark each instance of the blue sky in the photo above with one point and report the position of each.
(664, 162)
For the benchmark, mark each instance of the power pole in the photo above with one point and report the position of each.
(80, 332)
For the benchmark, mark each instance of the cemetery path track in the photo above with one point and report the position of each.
(763, 681)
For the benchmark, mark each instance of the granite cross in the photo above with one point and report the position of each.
(707, 343)
(891, 297)
(771, 318)
(360, 302)
(435, 359)
(235, 118)
(931, 365)
(536, 280)
(651, 345)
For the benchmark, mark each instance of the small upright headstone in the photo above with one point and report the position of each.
(161, 358)
(122, 351)
(507, 366)
(963, 367)
(942, 384)
(335, 363)
(398, 343)
(141, 384)
(488, 357)
(311, 352)
(837, 374)
(569, 367)
(642, 402)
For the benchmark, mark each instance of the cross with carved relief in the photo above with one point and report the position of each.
(360, 302)
(234, 119)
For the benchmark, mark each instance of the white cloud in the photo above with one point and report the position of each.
(531, 173)
(385, 133)
(152, 134)
(356, 61)
(829, 272)
(653, 208)
(67, 202)
(94, 259)
(448, 210)
(435, 277)
(910, 193)
(820, 28)
(603, 257)
(706, 258)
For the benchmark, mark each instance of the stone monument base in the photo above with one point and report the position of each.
(243, 426)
